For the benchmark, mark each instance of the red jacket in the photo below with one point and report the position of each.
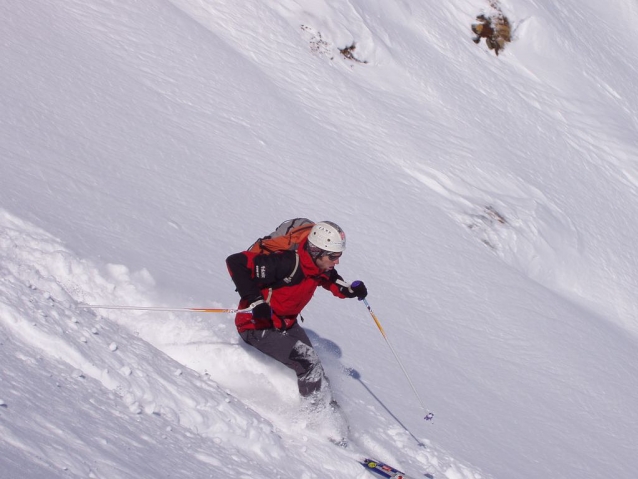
(278, 278)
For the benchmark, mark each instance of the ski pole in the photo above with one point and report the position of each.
(153, 308)
(428, 415)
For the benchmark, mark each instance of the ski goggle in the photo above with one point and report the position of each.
(333, 256)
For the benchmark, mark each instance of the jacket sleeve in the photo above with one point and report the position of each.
(331, 283)
(252, 272)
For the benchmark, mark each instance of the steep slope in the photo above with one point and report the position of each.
(488, 203)
(84, 396)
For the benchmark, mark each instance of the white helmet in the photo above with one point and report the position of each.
(327, 236)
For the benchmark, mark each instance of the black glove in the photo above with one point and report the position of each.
(357, 290)
(262, 311)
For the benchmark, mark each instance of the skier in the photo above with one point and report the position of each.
(278, 286)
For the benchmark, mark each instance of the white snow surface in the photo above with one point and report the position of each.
(490, 205)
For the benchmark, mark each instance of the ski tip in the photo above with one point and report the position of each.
(384, 470)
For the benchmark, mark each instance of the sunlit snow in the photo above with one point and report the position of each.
(490, 204)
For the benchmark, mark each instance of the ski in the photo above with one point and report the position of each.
(385, 470)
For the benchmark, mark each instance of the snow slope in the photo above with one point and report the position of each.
(488, 202)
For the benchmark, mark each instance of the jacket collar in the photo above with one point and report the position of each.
(307, 263)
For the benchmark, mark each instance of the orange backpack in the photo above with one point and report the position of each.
(288, 236)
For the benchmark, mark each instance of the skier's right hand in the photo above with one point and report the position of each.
(262, 311)
(355, 290)
(359, 289)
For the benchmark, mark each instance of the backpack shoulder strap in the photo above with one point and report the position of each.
(288, 278)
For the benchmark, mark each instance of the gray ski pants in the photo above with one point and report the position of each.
(292, 348)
